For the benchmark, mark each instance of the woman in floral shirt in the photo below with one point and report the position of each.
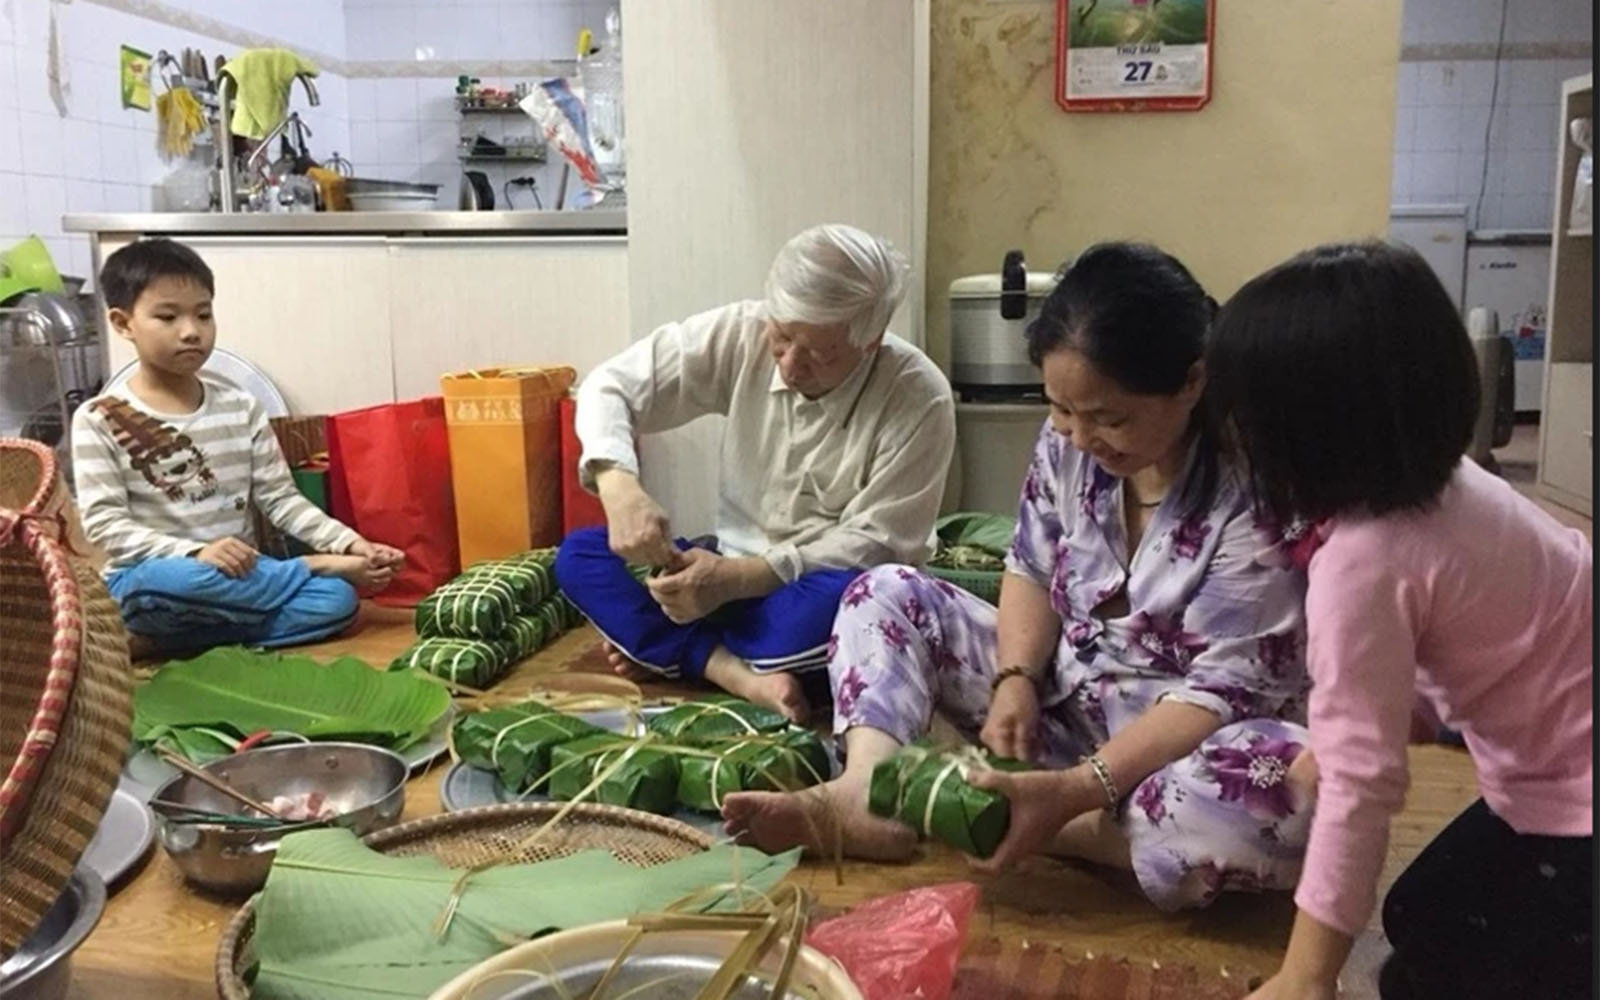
(1148, 646)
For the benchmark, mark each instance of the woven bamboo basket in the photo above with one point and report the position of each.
(981, 583)
(490, 833)
(66, 709)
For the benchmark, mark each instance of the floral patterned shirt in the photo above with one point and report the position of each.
(1215, 604)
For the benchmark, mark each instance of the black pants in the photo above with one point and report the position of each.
(1486, 912)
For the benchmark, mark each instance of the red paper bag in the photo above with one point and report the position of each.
(579, 507)
(389, 479)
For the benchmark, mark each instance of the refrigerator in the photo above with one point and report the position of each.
(1439, 234)
(1508, 271)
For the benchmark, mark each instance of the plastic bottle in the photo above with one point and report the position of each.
(601, 78)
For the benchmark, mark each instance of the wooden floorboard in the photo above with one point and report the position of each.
(1081, 908)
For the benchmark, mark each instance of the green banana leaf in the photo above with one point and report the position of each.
(468, 607)
(240, 691)
(973, 820)
(714, 718)
(339, 921)
(989, 532)
(472, 662)
(783, 761)
(532, 582)
(647, 780)
(515, 741)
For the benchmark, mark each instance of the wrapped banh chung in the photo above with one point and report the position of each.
(515, 741)
(647, 779)
(783, 761)
(926, 789)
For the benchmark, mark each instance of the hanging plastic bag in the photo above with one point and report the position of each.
(1581, 215)
(902, 946)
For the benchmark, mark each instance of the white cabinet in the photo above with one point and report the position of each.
(343, 322)
(1566, 459)
(478, 302)
(310, 312)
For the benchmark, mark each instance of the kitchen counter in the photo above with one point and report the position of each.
(609, 222)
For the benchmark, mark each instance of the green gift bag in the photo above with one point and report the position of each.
(515, 741)
(926, 789)
(715, 718)
(783, 761)
(647, 779)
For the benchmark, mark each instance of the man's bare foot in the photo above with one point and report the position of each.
(625, 668)
(777, 691)
(815, 819)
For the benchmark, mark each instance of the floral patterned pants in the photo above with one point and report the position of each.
(1222, 818)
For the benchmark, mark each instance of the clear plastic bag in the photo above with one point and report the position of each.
(903, 946)
(1581, 215)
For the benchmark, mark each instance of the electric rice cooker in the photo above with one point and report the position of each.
(989, 314)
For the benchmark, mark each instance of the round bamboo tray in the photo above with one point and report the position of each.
(64, 720)
(487, 833)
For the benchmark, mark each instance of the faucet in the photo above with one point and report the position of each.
(227, 86)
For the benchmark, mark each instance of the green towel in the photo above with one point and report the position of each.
(262, 97)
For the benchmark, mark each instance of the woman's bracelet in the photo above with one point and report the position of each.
(1006, 673)
(1108, 784)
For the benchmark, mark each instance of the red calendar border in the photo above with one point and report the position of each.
(1105, 104)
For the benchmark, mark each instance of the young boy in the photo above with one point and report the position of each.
(168, 469)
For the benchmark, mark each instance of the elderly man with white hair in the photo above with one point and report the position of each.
(838, 440)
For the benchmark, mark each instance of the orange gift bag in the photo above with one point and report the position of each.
(505, 457)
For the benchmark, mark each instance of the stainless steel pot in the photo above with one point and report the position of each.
(45, 319)
(989, 314)
(42, 968)
(364, 784)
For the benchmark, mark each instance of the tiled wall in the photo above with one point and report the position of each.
(101, 156)
(405, 57)
(1457, 132)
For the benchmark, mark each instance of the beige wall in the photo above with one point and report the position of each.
(1294, 149)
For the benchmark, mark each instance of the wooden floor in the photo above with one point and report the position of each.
(157, 937)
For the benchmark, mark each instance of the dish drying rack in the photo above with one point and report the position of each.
(74, 370)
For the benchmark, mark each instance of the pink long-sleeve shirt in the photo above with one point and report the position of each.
(1482, 604)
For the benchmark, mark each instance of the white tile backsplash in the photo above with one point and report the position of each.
(397, 100)
(1438, 129)
(1433, 176)
(8, 75)
(10, 145)
(81, 149)
(86, 196)
(47, 201)
(13, 201)
(398, 142)
(40, 139)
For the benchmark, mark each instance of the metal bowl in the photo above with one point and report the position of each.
(663, 965)
(366, 785)
(42, 967)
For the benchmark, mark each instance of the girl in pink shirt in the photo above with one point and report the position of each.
(1348, 382)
